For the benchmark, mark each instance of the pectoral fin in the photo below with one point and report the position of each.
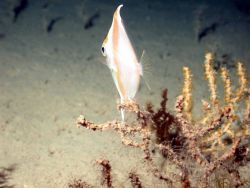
(140, 68)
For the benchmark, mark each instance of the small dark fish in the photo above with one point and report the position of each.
(52, 23)
(23, 4)
(90, 21)
(207, 30)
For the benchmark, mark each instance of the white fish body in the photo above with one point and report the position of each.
(122, 60)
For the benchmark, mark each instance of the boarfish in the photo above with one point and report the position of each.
(121, 60)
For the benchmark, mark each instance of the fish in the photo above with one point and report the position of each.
(122, 61)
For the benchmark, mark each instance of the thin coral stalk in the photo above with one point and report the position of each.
(241, 71)
(135, 180)
(247, 109)
(227, 85)
(210, 77)
(187, 92)
(106, 173)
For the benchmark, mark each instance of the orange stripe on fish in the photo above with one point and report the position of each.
(115, 46)
(121, 59)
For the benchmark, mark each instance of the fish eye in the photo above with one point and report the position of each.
(103, 51)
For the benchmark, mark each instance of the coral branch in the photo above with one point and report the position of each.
(219, 162)
(106, 173)
(219, 140)
(135, 181)
(78, 183)
(241, 71)
(227, 84)
(186, 92)
(247, 104)
(210, 77)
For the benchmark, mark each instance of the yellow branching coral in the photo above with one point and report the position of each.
(227, 85)
(218, 140)
(226, 118)
(247, 111)
(210, 77)
(241, 71)
(186, 92)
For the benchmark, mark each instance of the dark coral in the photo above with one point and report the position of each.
(165, 125)
(5, 173)
(135, 180)
(106, 173)
(78, 183)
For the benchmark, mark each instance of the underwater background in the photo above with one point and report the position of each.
(51, 71)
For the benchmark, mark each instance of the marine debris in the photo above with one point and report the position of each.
(23, 4)
(219, 140)
(91, 21)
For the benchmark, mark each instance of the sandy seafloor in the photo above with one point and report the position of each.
(48, 79)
